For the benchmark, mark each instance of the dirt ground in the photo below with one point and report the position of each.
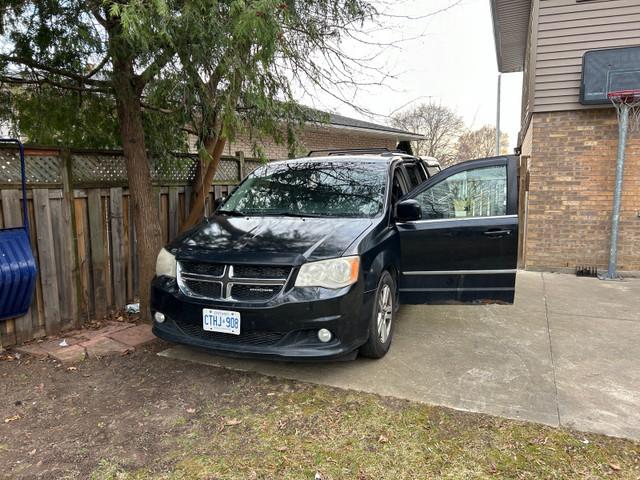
(60, 421)
(139, 412)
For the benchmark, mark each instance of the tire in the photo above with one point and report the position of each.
(382, 319)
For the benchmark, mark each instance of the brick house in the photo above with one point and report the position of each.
(340, 132)
(570, 149)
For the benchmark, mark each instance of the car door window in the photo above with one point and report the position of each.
(481, 192)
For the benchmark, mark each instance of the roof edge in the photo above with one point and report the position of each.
(399, 135)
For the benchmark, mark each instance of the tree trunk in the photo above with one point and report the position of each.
(198, 204)
(145, 210)
(198, 185)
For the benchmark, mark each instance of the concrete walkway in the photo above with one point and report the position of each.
(566, 353)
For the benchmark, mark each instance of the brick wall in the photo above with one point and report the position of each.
(318, 138)
(572, 176)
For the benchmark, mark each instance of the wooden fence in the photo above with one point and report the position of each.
(82, 232)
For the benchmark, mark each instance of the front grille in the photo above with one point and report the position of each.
(204, 289)
(253, 292)
(251, 271)
(245, 338)
(213, 269)
(218, 281)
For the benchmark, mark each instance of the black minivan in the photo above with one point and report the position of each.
(309, 259)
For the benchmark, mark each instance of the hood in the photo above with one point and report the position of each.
(285, 240)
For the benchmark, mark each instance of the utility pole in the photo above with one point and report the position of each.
(498, 117)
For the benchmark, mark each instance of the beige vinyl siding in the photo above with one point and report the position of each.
(565, 30)
(528, 80)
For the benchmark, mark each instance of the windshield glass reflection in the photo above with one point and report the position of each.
(340, 189)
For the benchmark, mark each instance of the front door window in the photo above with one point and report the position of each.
(481, 192)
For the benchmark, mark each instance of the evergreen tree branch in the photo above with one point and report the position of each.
(31, 63)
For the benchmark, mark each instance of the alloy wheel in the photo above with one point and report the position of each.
(385, 313)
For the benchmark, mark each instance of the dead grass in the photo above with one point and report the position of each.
(311, 432)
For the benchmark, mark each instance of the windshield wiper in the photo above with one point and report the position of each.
(232, 213)
(291, 214)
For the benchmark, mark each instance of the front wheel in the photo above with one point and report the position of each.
(382, 320)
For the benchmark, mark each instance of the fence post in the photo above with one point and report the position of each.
(70, 235)
(241, 169)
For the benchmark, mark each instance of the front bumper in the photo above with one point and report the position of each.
(284, 328)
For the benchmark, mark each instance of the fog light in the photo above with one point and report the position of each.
(159, 317)
(324, 335)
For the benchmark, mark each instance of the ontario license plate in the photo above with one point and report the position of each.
(224, 321)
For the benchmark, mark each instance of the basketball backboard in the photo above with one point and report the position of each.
(610, 70)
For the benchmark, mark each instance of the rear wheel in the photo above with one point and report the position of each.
(382, 320)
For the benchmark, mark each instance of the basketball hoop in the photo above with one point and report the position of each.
(628, 100)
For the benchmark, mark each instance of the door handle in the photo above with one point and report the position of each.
(497, 233)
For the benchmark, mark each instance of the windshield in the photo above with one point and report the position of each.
(340, 189)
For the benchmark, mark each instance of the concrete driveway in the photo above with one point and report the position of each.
(566, 353)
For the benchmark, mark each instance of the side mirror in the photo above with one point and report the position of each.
(408, 210)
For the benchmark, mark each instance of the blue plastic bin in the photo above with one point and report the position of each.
(18, 270)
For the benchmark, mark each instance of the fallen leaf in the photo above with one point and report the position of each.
(33, 452)
(383, 439)
(191, 410)
(614, 466)
(7, 420)
(233, 422)
(281, 449)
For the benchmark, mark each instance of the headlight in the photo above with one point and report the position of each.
(166, 264)
(334, 273)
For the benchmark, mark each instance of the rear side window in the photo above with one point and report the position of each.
(481, 192)
(416, 176)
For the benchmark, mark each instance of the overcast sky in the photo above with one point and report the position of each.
(448, 57)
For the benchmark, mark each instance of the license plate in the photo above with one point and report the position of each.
(224, 321)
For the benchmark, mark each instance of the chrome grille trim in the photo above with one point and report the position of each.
(266, 282)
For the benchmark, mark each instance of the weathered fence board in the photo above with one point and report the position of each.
(97, 252)
(174, 212)
(64, 263)
(36, 310)
(117, 248)
(83, 252)
(47, 261)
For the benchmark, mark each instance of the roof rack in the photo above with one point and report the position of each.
(352, 151)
